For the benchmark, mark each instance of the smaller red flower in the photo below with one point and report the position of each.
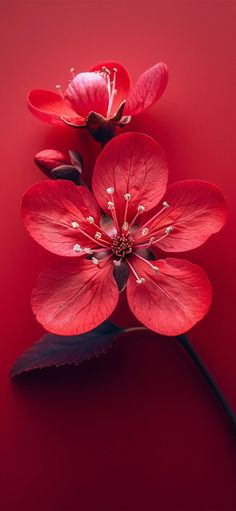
(122, 248)
(102, 91)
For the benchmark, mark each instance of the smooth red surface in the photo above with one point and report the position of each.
(137, 429)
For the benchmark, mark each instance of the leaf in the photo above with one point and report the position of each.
(57, 350)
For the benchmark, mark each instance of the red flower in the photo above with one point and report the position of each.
(167, 295)
(102, 90)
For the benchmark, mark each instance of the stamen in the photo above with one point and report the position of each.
(59, 90)
(98, 236)
(106, 70)
(168, 230)
(154, 268)
(95, 260)
(103, 243)
(140, 210)
(110, 190)
(144, 231)
(90, 219)
(75, 225)
(139, 280)
(72, 71)
(77, 248)
(125, 226)
(112, 91)
(127, 198)
(111, 206)
(165, 206)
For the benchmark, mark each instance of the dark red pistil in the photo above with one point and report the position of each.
(122, 245)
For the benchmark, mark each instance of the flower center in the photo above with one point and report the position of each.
(122, 245)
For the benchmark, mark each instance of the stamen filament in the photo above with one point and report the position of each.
(112, 208)
(155, 268)
(101, 242)
(165, 206)
(140, 210)
(111, 91)
(59, 90)
(139, 280)
(152, 240)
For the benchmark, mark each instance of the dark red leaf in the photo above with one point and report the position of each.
(57, 350)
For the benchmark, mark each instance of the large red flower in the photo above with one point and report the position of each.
(102, 90)
(122, 245)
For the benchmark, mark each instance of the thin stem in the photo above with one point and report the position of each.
(186, 344)
(184, 341)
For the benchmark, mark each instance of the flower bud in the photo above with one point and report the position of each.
(50, 159)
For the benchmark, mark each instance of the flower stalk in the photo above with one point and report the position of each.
(188, 347)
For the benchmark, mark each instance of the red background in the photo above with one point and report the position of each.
(137, 429)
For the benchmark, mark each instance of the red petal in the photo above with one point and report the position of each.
(49, 208)
(147, 90)
(50, 107)
(123, 82)
(131, 163)
(87, 93)
(75, 296)
(197, 210)
(172, 300)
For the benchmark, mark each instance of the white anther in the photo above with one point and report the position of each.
(58, 87)
(125, 226)
(88, 251)
(110, 205)
(95, 260)
(115, 69)
(110, 190)
(127, 196)
(117, 263)
(169, 229)
(144, 231)
(72, 71)
(151, 240)
(156, 269)
(98, 235)
(140, 281)
(74, 225)
(165, 204)
(106, 70)
(141, 209)
(77, 248)
(90, 219)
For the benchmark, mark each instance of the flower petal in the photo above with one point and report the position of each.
(172, 300)
(75, 296)
(88, 92)
(196, 210)
(50, 207)
(49, 106)
(147, 90)
(122, 82)
(131, 163)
